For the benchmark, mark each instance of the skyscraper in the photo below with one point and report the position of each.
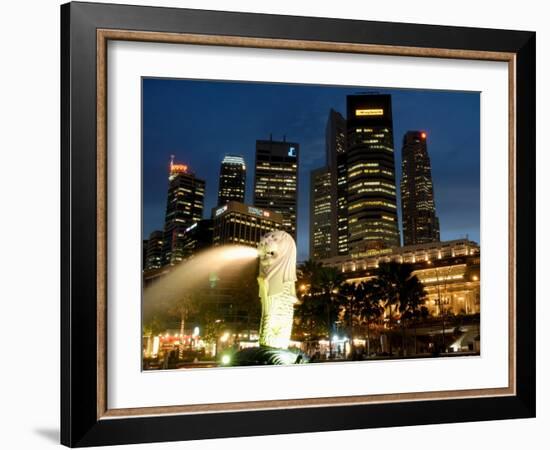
(196, 238)
(420, 223)
(276, 180)
(335, 141)
(371, 191)
(237, 223)
(184, 207)
(320, 236)
(153, 256)
(232, 180)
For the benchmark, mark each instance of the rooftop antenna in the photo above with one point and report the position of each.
(172, 157)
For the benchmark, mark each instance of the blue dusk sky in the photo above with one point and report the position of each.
(201, 121)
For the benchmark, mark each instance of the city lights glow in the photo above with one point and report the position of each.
(156, 345)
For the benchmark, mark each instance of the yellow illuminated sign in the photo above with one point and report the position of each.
(369, 112)
(178, 168)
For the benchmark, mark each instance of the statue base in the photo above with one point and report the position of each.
(261, 356)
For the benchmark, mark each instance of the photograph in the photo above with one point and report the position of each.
(303, 224)
(271, 224)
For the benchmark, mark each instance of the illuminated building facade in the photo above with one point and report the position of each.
(232, 180)
(233, 291)
(237, 223)
(153, 253)
(335, 141)
(184, 207)
(371, 191)
(276, 180)
(320, 236)
(420, 223)
(449, 270)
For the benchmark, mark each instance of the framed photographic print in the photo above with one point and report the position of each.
(277, 224)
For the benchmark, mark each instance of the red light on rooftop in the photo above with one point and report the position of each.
(423, 135)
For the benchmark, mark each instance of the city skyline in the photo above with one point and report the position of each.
(451, 121)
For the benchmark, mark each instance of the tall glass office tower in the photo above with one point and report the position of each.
(371, 191)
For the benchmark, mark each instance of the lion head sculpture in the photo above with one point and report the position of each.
(277, 251)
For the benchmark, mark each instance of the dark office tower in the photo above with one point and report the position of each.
(144, 243)
(276, 180)
(232, 180)
(335, 138)
(372, 203)
(153, 255)
(196, 237)
(320, 236)
(184, 207)
(420, 223)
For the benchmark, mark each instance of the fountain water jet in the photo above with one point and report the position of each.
(192, 274)
(276, 281)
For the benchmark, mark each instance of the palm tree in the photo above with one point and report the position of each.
(310, 318)
(398, 290)
(412, 297)
(417, 316)
(182, 308)
(384, 288)
(153, 326)
(349, 296)
(309, 313)
(308, 274)
(370, 307)
(330, 280)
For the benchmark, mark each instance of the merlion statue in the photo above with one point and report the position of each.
(276, 280)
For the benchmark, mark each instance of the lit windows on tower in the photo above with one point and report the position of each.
(153, 254)
(232, 185)
(237, 223)
(320, 235)
(371, 195)
(336, 148)
(184, 207)
(276, 180)
(420, 222)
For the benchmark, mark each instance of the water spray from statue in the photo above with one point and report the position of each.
(276, 258)
(190, 274)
